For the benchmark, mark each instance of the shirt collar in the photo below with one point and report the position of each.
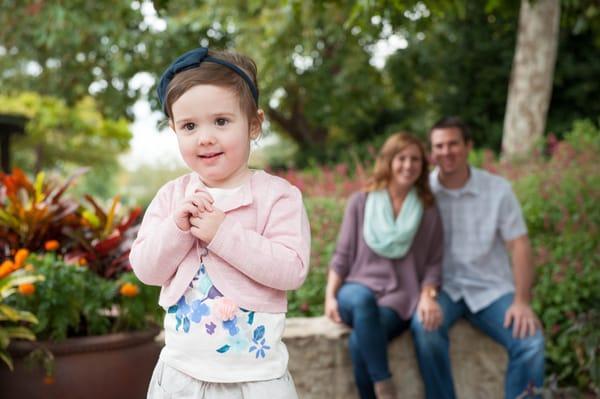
(242, 198)
(470, 187)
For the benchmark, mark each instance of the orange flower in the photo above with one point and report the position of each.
(6, 268)
(29, 267)
(129, 289)
(48, 380)
(51, 245)
(82, 261)
(26, 289)
(20, 257)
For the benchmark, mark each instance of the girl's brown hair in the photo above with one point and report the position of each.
(210, 73)
(382, 172)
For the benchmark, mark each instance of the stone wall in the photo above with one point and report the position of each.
(321, 367)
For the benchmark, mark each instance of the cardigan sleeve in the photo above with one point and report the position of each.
(345, 249)
(433, 265)
(277, 258)
(160, 245)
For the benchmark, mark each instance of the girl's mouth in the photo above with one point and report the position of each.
(210, 155)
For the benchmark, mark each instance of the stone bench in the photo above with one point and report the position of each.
(321, 367)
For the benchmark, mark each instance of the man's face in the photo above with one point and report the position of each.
(448, 150)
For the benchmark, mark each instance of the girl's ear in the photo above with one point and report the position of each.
(256, 124)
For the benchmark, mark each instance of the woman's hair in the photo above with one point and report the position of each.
(210, 73)
(382, 172)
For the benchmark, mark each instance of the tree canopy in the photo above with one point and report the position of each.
(59, 135)
(319, 86)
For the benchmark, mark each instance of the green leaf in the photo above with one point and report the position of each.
(9, 313)
(6, 359)
(20, 333)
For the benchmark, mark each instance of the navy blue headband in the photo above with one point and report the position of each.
(193, 59)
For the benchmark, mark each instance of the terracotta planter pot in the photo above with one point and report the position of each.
(112, 366)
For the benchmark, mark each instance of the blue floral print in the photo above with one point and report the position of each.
(210, 328)
(239, 336)
(259, 342)
(231, 326)
(199, 310)
(181, 310)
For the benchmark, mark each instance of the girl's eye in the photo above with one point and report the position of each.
(189, 126)
(221, 121)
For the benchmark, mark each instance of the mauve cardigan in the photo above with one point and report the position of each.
(396, 283)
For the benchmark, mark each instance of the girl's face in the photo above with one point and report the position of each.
(406, 167)
(214, 134)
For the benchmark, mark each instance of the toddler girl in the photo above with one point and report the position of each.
(224, 242)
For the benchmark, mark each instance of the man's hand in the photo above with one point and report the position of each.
(205, 225)
(524, 321)
(331, 309)
(429, 312)
(192, 205)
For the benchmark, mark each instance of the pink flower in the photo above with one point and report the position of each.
(341, 170)
(304, 307)
(225, 309)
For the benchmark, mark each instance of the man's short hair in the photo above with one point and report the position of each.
(449, 122)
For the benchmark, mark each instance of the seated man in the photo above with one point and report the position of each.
(481, 218)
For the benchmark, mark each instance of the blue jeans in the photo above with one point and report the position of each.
(525, 356)
(373, 327)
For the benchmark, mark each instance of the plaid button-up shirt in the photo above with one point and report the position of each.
(478, 219)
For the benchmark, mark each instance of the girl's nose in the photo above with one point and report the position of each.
(205, 137)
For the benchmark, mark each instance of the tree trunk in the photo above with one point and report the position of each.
(298, 127)
(530, 86)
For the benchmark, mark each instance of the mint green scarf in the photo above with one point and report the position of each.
(388, 237)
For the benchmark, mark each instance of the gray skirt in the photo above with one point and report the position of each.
(169, 383)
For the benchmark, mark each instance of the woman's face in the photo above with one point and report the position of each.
(406, 167)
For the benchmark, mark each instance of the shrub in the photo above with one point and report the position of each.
(74, 301)
(14, 322)
(560, 202)
(338, 181)
(32, 213)
(325, 215)
(81, 250)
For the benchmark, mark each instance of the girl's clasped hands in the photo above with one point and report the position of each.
(197, 215)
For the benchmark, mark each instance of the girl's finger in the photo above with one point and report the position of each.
(202, 204)
(187, 209)
(204, 194)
